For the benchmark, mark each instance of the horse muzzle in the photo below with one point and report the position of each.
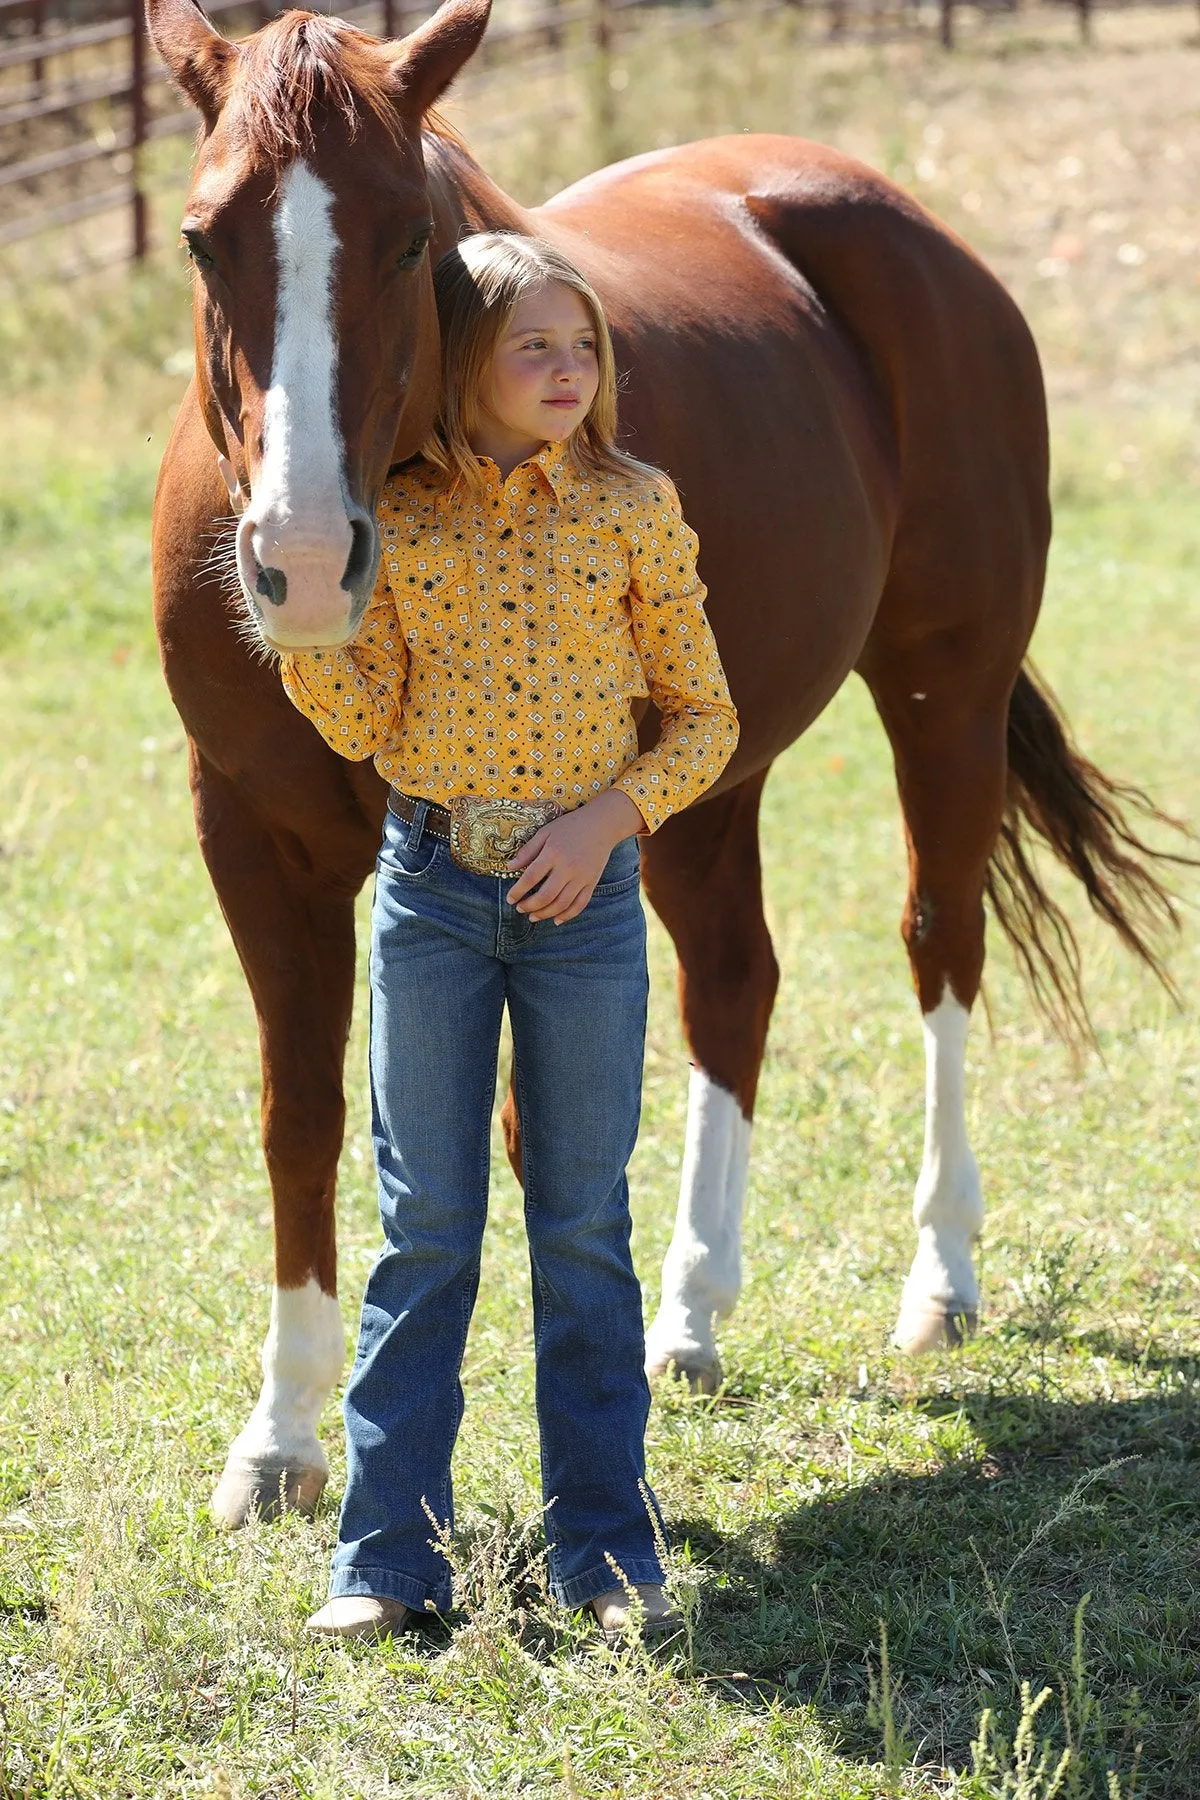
(307, 589)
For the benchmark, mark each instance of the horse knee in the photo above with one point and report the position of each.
(302, 1133)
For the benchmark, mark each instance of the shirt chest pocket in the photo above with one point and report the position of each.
(433, 598)
(591, 572)
(592, 576)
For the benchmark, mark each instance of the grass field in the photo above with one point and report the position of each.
(875, 1555)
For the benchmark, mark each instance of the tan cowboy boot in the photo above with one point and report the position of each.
(615, 1611)
(359, 1617)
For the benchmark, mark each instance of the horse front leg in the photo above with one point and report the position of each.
(951, 768)
(295, 940)
(703, 877)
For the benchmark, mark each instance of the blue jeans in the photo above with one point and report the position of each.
(447, 954)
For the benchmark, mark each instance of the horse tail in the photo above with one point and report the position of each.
(1087, 819)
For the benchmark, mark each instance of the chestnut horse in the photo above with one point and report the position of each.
(853, 410)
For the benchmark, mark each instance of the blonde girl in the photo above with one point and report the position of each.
(535, 583)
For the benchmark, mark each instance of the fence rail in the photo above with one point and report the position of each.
(82, 94)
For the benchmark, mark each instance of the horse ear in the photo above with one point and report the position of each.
(199, 58)
(427, 60)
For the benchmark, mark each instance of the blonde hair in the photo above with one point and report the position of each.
(478, 286)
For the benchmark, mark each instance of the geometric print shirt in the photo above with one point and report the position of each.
(511, 630)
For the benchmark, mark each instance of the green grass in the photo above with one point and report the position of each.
(968, 1504)
(1024, 1512)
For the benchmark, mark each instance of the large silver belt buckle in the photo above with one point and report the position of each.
(484, 833)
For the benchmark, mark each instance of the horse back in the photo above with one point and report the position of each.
(842, 390)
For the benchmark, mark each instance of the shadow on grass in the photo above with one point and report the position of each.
(978, 1570)
(1138, 1355)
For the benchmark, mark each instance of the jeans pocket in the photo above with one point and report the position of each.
(622, 870)
(400, 856)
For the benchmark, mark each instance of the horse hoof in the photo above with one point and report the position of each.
(267, 1489)
(701, 1377)
(930, 1327)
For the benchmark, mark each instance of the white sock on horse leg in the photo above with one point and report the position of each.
(702, 1270)
(948, 1204)
(302, 1360)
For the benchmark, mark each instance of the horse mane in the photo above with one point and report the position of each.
(302, 65)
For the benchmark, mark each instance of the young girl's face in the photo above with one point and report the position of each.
(545, 369)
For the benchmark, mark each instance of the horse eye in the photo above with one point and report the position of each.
(196, 251)
(415, 251)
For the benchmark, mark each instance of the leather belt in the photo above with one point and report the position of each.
(483, 834)
(437, 818)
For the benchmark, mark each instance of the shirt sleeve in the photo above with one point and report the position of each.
(679, 658)
(353, 694)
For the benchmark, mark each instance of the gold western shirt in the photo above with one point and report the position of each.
(509, 633)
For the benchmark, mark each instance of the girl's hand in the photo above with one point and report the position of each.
(561, 863)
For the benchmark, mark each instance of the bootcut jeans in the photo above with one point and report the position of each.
(447, 955)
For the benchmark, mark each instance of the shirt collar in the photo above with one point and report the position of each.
(554, 461)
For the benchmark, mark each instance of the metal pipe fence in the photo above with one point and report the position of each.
(83, 96)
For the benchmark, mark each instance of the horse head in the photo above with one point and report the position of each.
(308, 222)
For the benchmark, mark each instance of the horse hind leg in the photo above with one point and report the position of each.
(949, 746)
(941, 1292)
(703, 877)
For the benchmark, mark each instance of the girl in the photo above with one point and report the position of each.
(535, 582)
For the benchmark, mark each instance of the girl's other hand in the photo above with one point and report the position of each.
(561, 863)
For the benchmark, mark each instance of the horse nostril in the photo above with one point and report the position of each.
(363, 552)
(272, 584)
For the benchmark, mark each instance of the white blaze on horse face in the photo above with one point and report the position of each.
(948, 1204)
(296, 536)
(702, 1271)
(301, 1362)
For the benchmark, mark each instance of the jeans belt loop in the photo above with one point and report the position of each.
(417, 826)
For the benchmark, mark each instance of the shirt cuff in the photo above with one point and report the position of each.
(643, 783)
(290, 659)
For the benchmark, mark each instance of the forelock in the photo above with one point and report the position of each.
(297, 71)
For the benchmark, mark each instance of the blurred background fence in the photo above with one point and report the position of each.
(85, 103)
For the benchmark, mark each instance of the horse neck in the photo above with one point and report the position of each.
(464, 198)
